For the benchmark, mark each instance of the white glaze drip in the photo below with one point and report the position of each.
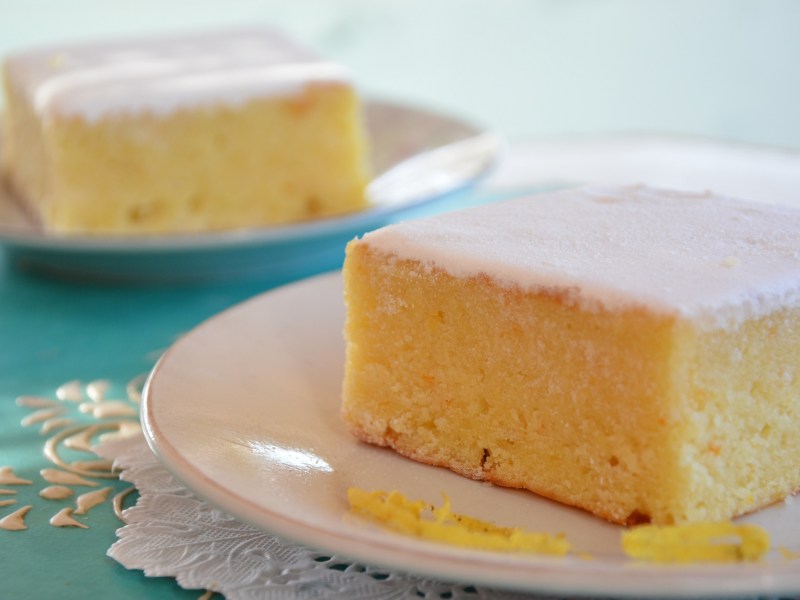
(92, 465)
(119, 500)
(63, 518)
(126, 429)
(5, 492)
(80, 441)
(85, 502)
(72, 391)
(36, 402)
(80, 438)
(41, 415)
(64, 477)
(16, 520)
(7, 502)
(620, 248)
(96, 390)
(55, 492)
(109, 408)
(55, 423)
(8, 477)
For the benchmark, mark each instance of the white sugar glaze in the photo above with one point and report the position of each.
(695, 255)
(161, 75)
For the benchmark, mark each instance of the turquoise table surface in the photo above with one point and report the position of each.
(528, 69)
(55, 331)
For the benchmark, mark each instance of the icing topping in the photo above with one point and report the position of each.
(15, 521)
(8, 477)
(697, 255)
(64, 518)
(55, 492)
(85, 502)
(58, 476)
(163, 74)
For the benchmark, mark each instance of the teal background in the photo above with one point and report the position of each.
(55, 330)
(526, 68)
(51, 332)
(721, 68)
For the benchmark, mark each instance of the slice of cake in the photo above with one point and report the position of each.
(188, 133)
(631, 351)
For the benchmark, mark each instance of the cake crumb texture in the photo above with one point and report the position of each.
(182, 134)
(634, 412)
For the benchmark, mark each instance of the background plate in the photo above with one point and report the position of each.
(419, 157)
(244, 410)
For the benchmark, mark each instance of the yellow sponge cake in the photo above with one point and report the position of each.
(631, 351)
(187, 133)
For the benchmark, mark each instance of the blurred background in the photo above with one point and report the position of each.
(727, 69)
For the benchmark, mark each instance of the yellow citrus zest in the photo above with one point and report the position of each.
(696, 542)
(419, 519)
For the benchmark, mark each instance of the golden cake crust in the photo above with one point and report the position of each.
(631, 412)
(182, 134)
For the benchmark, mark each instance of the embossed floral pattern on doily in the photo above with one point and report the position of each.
(169, 532)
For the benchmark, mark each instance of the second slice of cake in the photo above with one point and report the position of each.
(185, 133)
(631, 351)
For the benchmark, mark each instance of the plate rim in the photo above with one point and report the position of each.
(36, 239)
(537, 574)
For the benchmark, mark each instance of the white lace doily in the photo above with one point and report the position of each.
(170, 532)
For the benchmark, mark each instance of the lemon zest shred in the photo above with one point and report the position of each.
(419, 519)
(696, 542)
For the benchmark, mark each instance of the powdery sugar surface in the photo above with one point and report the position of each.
(697, 255)
(160, 75)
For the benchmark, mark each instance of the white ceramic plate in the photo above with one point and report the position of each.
(244, 410)
(419, 157)
(737, 169)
